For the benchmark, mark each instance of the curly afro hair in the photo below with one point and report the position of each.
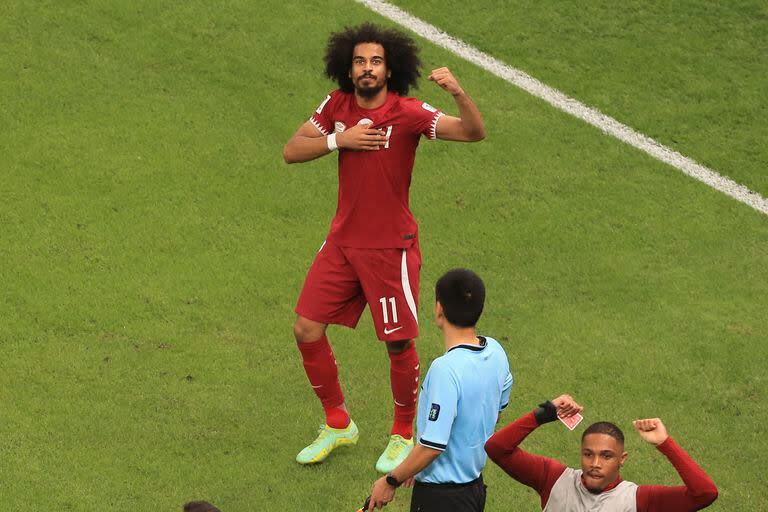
(401, 53)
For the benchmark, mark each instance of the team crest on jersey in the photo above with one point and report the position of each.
(434, 412)
(365, 120)
(428, 107)
(339, 127)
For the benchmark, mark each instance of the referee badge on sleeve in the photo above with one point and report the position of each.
(434, 412)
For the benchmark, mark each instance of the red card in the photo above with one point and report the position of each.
(571, 421)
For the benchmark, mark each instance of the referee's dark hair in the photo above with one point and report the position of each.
(607, 428)
(461, 292)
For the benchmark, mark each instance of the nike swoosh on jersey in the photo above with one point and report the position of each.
(390, 331)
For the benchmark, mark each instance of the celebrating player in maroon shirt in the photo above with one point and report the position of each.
(598, 486)
(371, 254)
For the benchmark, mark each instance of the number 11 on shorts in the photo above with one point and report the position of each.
(384, 310)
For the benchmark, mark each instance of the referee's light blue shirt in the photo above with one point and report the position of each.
(460, 400)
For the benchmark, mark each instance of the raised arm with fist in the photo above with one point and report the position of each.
(652, 430)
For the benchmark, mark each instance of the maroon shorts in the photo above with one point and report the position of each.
(342, 280)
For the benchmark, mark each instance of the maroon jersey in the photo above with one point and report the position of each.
(372, 210)
(544, 475)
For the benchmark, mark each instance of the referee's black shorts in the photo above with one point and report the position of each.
(469, 497)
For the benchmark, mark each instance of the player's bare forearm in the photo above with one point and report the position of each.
(303, 149)
(308, 143)
(419, 458)
(468, 127)
(471, 119)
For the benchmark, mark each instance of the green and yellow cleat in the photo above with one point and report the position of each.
(328, 439)
(395, 453)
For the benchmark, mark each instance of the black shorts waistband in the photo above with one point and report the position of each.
(451, 485)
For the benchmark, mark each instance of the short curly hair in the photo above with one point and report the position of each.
(607, 428)
(401, 54)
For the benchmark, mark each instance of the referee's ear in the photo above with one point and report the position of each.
(439, 314)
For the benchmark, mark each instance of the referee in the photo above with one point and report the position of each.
(460, 400)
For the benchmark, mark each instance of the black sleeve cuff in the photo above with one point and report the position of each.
(545, 413)
(434, 446)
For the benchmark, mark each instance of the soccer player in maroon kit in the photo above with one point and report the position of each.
(371, 254)
(598, 486)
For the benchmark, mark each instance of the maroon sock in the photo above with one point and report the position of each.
(323, 375)
(404, 379)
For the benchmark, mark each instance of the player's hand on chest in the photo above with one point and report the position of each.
(360, 137)
(365, 135)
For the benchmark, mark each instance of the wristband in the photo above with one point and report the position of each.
(331, 141)
(545, 413)
(391, 480)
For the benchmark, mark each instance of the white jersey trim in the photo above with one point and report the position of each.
(407, 287)
(433, 127)
(318, 126)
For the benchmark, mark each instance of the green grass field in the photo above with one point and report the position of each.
(689, 74)
(154, 243)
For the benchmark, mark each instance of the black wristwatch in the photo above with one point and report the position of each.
(391, 480)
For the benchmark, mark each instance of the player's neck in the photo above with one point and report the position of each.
(373, 102)
(454, 336)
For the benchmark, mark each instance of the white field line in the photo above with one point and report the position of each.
(574, 107)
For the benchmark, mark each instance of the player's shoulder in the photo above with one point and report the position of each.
(413, 104)
(338, 93)
(407, 101)
(333, 100)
